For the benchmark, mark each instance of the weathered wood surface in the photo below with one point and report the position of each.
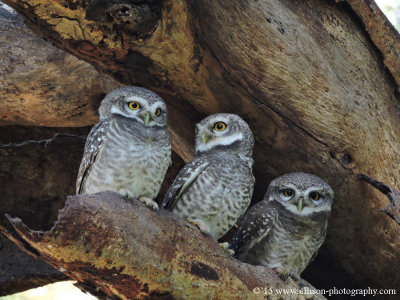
(41, 85)
(385, 37)
(393, 209)
(38, 169)
(304, 74)
(35, 178)
(128, 251)
(19, 271)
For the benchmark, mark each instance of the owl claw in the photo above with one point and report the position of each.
(285, 273)
(201, 225)
(149, 202)
(225, 246)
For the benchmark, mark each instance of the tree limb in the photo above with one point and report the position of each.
(129, 251)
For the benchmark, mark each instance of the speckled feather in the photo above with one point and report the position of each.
(217, 185)
(92, 147)
(254, 226)
(123, 154)
(186, 176)
(269, 234)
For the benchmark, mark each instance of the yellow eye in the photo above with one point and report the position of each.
(134, 105)
(158, 112)
(288, 193)
(314, 196)
(219, 126)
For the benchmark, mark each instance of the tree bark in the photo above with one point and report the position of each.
(35, 178)
(129, 251)
(393, 209)
(20, 271)
(317, 81)
(42, 85)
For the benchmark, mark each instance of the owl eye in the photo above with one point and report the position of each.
(315, 196)
(158, 112)
(287, 194)
(219, 126)
(134, 105)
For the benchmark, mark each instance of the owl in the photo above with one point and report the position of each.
(286, 229)
(214, 189)
(128, 151)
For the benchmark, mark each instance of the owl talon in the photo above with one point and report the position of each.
(300, 283)
(201, 225)
(225, 246)
(282, 272)
(149, 202)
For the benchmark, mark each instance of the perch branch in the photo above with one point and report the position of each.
(126, 250)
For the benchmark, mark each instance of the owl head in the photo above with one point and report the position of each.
(301, 193)
(224, 131)
(136, 103)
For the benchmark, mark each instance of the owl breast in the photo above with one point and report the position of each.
(291, 244)
(132, 161)
(219, 195)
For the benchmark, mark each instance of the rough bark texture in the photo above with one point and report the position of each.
(317, 82)
(161, 256)
(19, 271)
(393, 209)
(41, 85)
(35, 177)
(385, 37)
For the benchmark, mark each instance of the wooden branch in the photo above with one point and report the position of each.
(392, 210)
(20, 271)
(27, 157)
(131, 252)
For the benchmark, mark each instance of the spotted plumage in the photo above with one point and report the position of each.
(215, 188)
(286, 229)
(129, 150)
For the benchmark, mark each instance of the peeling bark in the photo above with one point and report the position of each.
(129, 251)
(392, 210)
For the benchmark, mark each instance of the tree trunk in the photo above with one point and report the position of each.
(42, 86)
(317, 81)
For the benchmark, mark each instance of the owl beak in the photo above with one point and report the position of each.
(205, 138)
(146, 118)
(300, 205)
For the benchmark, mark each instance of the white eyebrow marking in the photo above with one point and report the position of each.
(220, 141)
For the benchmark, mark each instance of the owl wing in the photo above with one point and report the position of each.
(319, 243)
(92, 149)
(253, 227)
(186, 176)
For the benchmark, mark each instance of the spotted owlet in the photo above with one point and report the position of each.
(128, 151)
(286, 229)
(214, 189)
